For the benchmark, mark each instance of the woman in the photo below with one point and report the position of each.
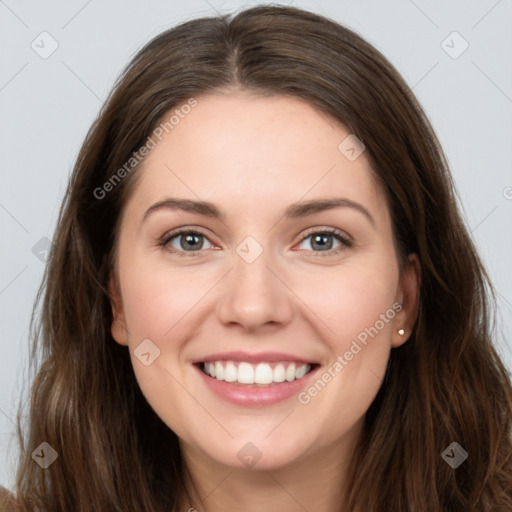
(198, 353)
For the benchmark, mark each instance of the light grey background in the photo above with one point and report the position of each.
(48, 104)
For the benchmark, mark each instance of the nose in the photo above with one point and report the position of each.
(254, 295)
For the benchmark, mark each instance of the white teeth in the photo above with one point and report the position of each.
(261, 373)
(290, 372)
(219, 371)
(230, 372)
(279, 373)
(300, 372)
(245, 373)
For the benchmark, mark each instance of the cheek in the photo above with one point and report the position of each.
(352, 299)
(160, 307)
(356, 312)
(156, 298)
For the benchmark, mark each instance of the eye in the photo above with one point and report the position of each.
(322, 241)
(189, 243)
(185, 241)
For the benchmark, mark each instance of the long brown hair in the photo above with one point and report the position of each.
(446, 384)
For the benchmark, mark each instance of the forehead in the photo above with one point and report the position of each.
(256, 152)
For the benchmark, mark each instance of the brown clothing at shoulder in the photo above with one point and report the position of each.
(7, 501)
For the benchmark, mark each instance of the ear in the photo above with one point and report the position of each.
(118, 328)
(408, 296)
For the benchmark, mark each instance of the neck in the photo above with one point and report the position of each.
(314, 481)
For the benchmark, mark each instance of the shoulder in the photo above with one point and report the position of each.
(7, 501)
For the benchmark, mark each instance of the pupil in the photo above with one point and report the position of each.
(323, 242)
(189, 241)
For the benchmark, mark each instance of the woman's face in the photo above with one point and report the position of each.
(262, 276)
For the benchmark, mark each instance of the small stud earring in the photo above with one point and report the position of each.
(401, 332)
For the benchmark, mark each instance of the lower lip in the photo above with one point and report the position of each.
(254, 396)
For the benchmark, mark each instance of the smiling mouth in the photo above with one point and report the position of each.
(256, 375)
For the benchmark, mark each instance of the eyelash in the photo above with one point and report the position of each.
(346, 242)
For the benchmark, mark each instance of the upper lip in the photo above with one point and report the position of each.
(241, 356)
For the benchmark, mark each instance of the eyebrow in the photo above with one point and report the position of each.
(294, 211)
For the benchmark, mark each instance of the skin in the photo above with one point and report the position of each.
(252, 157)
